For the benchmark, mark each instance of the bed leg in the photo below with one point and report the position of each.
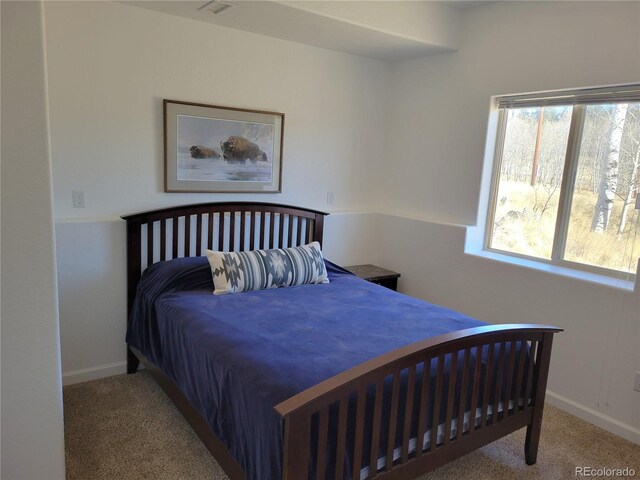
(532, 440)
(132, 361)
(540, 375)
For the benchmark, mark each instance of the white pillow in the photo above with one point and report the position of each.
(235, 272)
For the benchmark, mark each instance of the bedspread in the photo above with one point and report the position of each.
(237, 356)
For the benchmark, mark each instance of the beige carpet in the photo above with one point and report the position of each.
(124, 427)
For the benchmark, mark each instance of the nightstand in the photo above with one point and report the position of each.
(374, 274)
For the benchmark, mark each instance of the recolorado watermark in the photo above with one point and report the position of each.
(608, 472)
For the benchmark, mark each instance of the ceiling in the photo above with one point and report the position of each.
(387, 30)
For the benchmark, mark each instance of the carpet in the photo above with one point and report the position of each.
(124, 427)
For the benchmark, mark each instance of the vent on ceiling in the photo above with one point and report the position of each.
(216, 6)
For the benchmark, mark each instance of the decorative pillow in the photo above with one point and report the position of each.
(235, 272)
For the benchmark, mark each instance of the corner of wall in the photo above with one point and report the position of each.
(32, 418)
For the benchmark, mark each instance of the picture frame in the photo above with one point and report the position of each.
(215, 149)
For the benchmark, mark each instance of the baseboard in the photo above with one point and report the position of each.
(593, 416)
(93, 373)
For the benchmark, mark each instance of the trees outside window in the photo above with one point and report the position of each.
(567, 180)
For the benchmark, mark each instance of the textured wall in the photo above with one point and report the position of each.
(439, 106)
(110, 66)
(32, 431)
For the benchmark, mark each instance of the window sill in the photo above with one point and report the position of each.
(612, 282)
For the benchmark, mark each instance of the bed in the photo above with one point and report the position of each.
(346, 380)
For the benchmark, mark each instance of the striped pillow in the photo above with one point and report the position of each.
(235, 272)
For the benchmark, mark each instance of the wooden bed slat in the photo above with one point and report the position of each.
(342, 438)
(232, 231)
(198, 235)
(498, 388)
(359, 432)
(297, 431)
(309, 233)
(272, 229)
(149, 244)
(290, 232)
(408, 415)
(375, 432)
(299, 237)
(187, 235)
(437, 400)
(464, 384)
(508, 389)
(262, 244)
(252, 230)
(280, 230)
(221, 221)
(393, 419)
(487, 385)
(210, 221)
(323, 431)
(243, 217)
(529, 380)
(174, 243)
(475, 392)
(163, 240)
(450, 397)
(424, 403)
(518, 391)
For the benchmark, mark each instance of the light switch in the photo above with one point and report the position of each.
(77, 198)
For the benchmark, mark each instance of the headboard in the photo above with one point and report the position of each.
(188, 230)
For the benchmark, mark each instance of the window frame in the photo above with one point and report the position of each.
(567, 185)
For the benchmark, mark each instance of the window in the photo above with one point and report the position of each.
(567, 177)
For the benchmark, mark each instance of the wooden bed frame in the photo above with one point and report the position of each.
(188, 230)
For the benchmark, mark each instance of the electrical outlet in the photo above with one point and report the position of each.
(77, 198)
(329, 198)
(636, 383)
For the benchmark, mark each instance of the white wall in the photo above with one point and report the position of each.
(437, 125)
(436, 23)
(439, 105)
(110, 66)
(32, 430)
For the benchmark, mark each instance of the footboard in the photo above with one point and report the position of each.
(413, 409)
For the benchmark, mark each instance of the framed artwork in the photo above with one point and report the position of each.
(208, 148)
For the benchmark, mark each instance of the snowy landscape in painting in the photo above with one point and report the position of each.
(219, 150)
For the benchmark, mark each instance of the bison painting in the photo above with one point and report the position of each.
(239, 150)
(200, 151)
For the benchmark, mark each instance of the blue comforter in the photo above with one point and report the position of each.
(237, 356)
